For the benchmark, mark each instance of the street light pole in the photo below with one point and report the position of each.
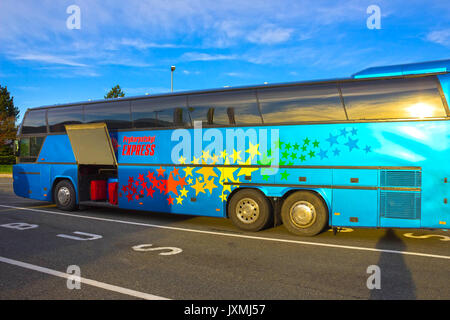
(172, 69)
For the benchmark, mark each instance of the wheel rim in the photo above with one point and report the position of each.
(64, 196)
(247, 210)
(303, 214)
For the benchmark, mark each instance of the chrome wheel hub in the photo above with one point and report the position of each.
(247, 210)
(63, 196)
(303, 214)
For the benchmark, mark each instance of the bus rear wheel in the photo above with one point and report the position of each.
(250, 210)
(64, 195)
(304, 213)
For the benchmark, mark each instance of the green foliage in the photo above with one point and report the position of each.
(8, 130)
(7, 160)
(115, 92)
(7, 107)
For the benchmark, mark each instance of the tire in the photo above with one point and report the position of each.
(250, 210)
(304, 213)
(65, 196)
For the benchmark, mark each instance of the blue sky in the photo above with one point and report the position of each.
(212, 43)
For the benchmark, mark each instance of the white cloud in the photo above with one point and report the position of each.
(269, 34)
(49, 59)
(199, 56)
(440, 36)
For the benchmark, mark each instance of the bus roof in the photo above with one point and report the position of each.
(440, 66)
(422, 68)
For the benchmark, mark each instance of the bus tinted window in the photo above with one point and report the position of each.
(159, 112)
(116, 114)
(393, 99)
(58, 117)
(29, 148)
(225, 108)
(319, 102)
(35, 122)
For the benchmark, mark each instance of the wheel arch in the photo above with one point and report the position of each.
(59, 178)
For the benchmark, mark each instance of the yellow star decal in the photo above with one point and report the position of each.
(183, 192)
(210, 185)
(198, 187)
(236, 155)
(207, 172)
(179, 200)
(214, 159)
(188, 171)
(223, 154)
(189, 181)
(182, 160)
(205, 155)
(196, 160)
(253, 150)
(223, 197)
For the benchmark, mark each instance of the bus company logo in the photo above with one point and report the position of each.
(138, 146)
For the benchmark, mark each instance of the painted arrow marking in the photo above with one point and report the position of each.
(146, 247)
(443, 238)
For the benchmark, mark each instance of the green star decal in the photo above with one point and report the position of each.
(316, 144)
(306, 141)
(302, 158)
(296, 146)
(312, 154)
(284, 175)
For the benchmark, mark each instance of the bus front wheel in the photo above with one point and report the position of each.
(64, 195)
(250, 210)
(304, 213)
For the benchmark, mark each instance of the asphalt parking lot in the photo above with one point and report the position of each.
(144, 255)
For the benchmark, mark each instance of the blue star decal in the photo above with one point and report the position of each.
(332, 140)
(352, 144)
(368, 149)
(336, 152)
(323, 154)
(354, 131)
(344, 132)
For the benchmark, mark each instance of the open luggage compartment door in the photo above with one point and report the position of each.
(91, 144)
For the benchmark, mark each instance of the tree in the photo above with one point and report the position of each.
(8, 130)
(115, 92)
(7, 107)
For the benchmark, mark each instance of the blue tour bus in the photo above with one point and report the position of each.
(371, 150)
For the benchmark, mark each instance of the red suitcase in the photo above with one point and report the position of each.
(112, 192)
(98, 190)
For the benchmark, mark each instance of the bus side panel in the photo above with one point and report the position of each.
(56, 149)
(165, 189)
(27, 181)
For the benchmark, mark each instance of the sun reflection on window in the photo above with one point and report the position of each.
(421, 110)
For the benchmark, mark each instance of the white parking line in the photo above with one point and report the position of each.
(90, 282)
(419, 254)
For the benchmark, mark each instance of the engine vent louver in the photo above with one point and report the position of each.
(400, 204)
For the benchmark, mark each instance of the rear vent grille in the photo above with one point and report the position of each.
(400, 205)
(401, 178)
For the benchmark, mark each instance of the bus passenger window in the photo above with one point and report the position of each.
(35, 122)
(393, 98)
(116, 114)
(229, 107)
(59, 117)
(155, 112)
(299, 103)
